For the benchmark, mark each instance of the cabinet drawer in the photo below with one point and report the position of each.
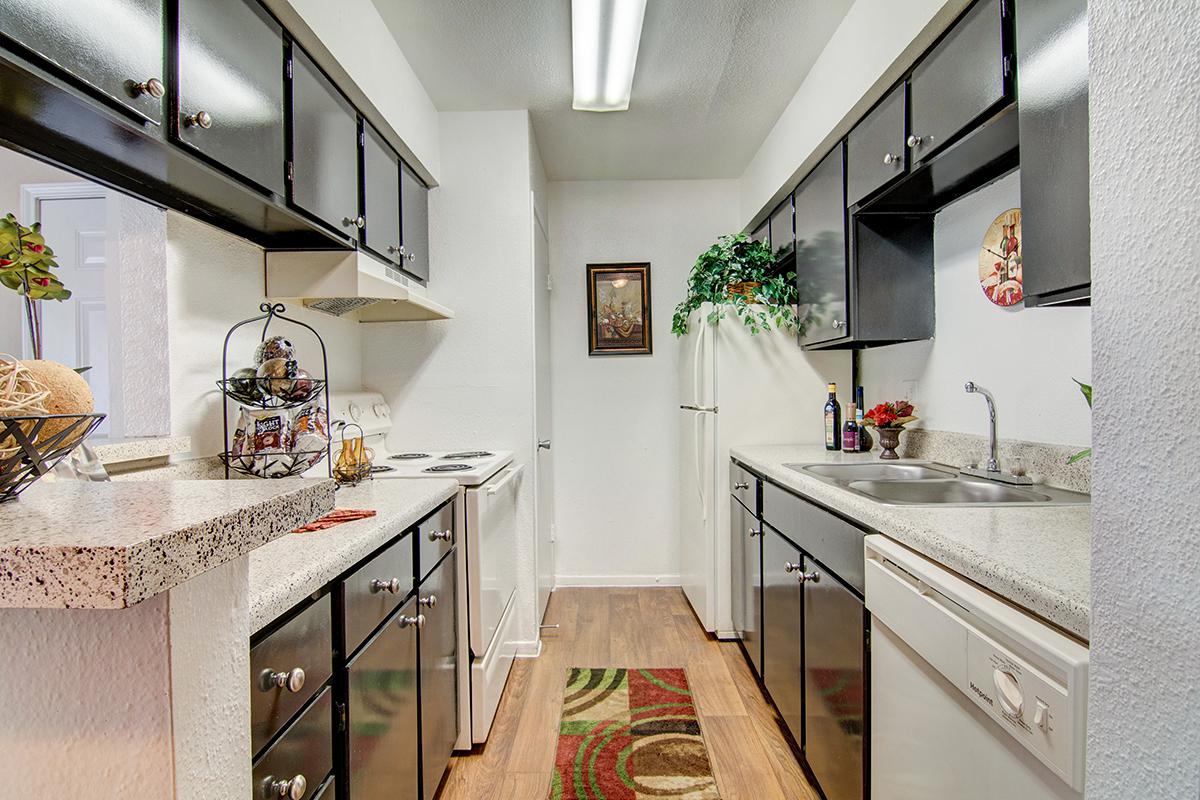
(303, 644)
(830, 539)
(435, 538)
(743, 485)
(376, 589)
(875, 149)
(303, 753)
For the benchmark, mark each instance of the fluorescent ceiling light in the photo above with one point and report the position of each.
(605, 35)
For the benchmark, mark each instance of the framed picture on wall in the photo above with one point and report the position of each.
(618, 297)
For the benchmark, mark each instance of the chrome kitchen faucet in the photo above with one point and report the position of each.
(993, 471)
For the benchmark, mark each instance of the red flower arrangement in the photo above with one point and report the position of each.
(891, 415)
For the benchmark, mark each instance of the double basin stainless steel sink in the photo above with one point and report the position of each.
(924, 483)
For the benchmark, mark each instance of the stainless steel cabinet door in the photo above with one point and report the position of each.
(1055, 219)
(414, 215)
(834, 684)
(745, 535)
(324, 148)
(381, 191)
(120, 54)
(439, 672)
(783, 238)
(875, 149)
(821, 276)
(781, 628)
(382, 683)
(959, 80)
(301, 757)
(231, 104)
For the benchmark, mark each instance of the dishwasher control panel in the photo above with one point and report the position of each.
(1030, 705)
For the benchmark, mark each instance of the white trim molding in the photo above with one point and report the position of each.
(613, 581)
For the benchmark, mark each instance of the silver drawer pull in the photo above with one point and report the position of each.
(445, 536)
(429, 602)
(739, 486)
(153, 87)
(407, 622)
(293, 789)
(892, 158)
(789, 567)
(392, 586)
(754, 532)
(810, 577)
(293, 681)
(201, 119)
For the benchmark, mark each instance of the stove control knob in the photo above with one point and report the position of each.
(355, 411)
(1041, 716)
(1008, 690)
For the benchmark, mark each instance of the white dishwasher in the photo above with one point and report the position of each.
(971, 699)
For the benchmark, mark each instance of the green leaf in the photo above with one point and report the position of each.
(1080, 456)
(1086, 389)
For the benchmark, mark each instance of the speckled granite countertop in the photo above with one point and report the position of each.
(289, 569)
(77, 544)
(1037, 558)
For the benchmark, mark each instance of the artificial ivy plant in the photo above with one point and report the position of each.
(769, 298)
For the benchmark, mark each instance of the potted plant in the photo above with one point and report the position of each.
(889, 419)
(25, 264)
(741, 274)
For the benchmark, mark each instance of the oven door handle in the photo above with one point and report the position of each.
(513, 472)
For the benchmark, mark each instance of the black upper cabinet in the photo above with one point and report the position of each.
(324, 149)
(118, 56)
(761, 234)
(821, 274)
(966, 76)
(1053, 114)
(782, 230)
(231, 103)
(381, 196)
(414, 216)
(875, 149)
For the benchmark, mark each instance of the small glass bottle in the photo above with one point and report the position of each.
(833, 420)
(850, 431)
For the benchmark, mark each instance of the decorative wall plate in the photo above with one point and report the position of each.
(1000, 260)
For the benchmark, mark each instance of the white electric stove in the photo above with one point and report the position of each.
(487, 533)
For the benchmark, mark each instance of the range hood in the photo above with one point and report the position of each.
(348, 284)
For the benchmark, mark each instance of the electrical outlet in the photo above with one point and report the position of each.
(910, 391)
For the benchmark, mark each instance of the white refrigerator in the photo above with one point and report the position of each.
(736, 388)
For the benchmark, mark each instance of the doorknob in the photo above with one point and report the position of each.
(543, 444)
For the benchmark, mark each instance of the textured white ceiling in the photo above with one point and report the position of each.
(712, 77)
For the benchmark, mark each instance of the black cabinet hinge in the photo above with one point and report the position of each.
(289, 68)
(1003, 9)
(341, 717)
(291, 172)
(1008, 66)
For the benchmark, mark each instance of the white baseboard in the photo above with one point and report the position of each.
(602, 581)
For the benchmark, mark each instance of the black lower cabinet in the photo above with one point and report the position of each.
(439, 672)
(782, 603)
(383, 712)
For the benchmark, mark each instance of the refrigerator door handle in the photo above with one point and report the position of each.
(696, 362)
(697, 420)
(704, 409)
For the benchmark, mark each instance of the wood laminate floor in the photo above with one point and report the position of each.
(630, 628)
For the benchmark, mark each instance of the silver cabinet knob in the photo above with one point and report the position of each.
(754, 532)
(810, 577)
(293, 789)
(543, 444)
(410, 256)
(429, 602)
(890, 158)
(407, 622)
(739, 486)
(445, 536)
(293, 681)
(838, 323)
(392, 250)
(789, 567)
(392, 586)
(153, 87)
(201, 119)
(359, 222)
(914, 140)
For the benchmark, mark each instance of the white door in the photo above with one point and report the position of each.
(544, 459)
(75, 331)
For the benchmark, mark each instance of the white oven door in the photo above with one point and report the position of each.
(491, 553)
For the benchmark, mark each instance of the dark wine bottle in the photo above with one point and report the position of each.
(865, 441)
(833, 420)
(850, 431)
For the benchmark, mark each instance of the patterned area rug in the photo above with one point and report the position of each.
(630, 734)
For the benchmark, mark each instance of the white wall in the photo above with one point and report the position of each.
(350, 40)
(1025, 356)
(1144, 728)
(214, 280)
(468, 382)
(616, 417)
(875, 43)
